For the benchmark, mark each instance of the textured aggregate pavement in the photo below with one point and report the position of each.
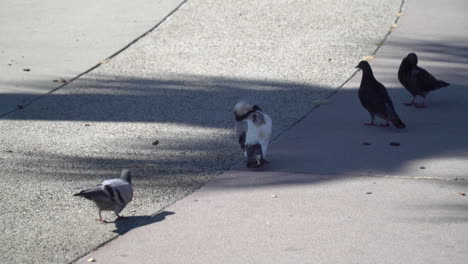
(176, 85)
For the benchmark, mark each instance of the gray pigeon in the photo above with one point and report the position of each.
(253, 130)
(417, 80)
(111, 195)
(375, 99)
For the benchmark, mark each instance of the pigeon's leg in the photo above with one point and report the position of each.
(100, 218)
(372, 121)
(423, 105)
(412, 102)
(386, 124)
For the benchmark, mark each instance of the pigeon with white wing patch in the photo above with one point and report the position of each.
(253, 130)
(111, 195)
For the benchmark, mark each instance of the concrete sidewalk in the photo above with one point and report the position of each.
(325, 197)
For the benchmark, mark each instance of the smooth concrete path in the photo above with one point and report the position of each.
(43, 44)
(326, 197)
(177, 85)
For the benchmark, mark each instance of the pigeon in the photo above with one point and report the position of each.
(375, 99)
(111, 195)
(417, 80)
(253, 131)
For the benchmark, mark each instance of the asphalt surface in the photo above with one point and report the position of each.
(328, 198)
(177, 85)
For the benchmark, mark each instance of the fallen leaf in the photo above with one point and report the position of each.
(462, 193)
(20, 106)
(368, 192)
(9, 151)
(87, 125)
(394, 25)
(155, 143)
(63, 81)
(399, 14)
(104, 61)
(26, 70)
(395, 144)
(368, 58)
(422, 168)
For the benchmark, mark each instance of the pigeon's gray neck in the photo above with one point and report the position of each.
(126, 176)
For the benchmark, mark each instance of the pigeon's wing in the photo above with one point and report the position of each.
(426, 81)
(378, 99)
(97, 193)
(241, 132)
(119, 191)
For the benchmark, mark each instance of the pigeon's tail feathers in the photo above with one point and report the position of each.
(398, 123)
(393, 117)
(441, 84)
(85, 194)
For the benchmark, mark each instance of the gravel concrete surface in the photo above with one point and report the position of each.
(176, 85)
(57, 40)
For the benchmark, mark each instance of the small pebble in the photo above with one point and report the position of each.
(87, 125)
(273, 196)
(422, 168)
(91, 260)
(20, 106)
(395, 144)
(366, 143)
(26, 70)
(462, 193)
(155, 143)
(368, 192)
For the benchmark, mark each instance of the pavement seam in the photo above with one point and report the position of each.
(392, 28)
(22, 106)
(415, 178)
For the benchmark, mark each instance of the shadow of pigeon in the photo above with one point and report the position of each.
(123, 225)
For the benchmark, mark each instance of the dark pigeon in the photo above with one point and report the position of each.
(417, 80)
(375, 99)
(111, 195)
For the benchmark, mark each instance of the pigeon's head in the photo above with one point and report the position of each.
(412, 59)
(363, 65)
(242, 109)
(126, 176)
(254, 155)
